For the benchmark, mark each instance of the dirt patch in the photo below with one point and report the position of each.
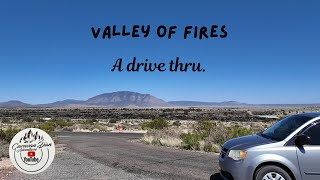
(5, 163)
(6, 168)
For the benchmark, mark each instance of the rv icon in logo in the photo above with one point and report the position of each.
(32, 151)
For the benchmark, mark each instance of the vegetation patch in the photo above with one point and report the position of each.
(159, 123)
(7, 134)
(206, 135)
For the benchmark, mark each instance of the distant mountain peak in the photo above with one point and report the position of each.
(14, 103)
(134, 99)
(126, 98)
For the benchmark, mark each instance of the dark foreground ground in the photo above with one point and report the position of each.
(118, 156)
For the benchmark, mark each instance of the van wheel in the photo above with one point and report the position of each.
(271, 173)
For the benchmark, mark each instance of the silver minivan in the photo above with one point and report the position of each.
(288, 150)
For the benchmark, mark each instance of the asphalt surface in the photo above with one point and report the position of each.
(119, 156)
(73, 166)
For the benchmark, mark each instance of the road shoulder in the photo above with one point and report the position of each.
(73, 166)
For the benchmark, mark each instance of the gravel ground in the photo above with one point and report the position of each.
(119, 151)
(6, 168)
(73, 166)
(4, 149)
(118, 156)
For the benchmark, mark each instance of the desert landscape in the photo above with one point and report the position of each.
(126, 120)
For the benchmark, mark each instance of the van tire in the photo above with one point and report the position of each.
(264, 170)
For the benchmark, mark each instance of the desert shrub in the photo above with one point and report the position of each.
(216, 148)
(90, 121)
(172, 132)
(159, 123)
(100, 128)
(239, 131)
(208, 147)
(170, 141)
(258, 128)
(191, 141)
(86, 126)
(30, 125)
(218, 135)
(28, 119)
(40, 120)
(212, 134)
(207, 136)
(166, 137)
(205, 125)
(147, 139)
(113, 121)
(48, 127)
(60, 123)
(69, 128)
(221, 134)
(201, 145)
(8, 134)
(176, 123)
(5, 121)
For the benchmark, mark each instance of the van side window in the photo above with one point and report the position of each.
(314, 134)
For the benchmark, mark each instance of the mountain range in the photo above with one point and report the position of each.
(114, 99)
(133, 99)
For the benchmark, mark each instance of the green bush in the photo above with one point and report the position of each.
(205, 125)
(28, 119)
(211, 133)
(239, 131)
(48, 127)
(219, 135)
(60, 123)
(8, 134)
(191, 141)
(30, 125)
(159, 123)
(207, 136)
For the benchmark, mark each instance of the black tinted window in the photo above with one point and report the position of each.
(314, 134)
(285, 127)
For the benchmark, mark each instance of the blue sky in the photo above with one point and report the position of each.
(271, 54)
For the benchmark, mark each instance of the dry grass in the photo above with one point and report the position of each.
(147, 139)
(87, 128)
(170, 141)
(167, 137)
(206, 136)
(216, 148)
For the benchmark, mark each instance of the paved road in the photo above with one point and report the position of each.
(119, 151)
(111, 156)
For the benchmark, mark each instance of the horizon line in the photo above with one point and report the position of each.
(168, 101)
